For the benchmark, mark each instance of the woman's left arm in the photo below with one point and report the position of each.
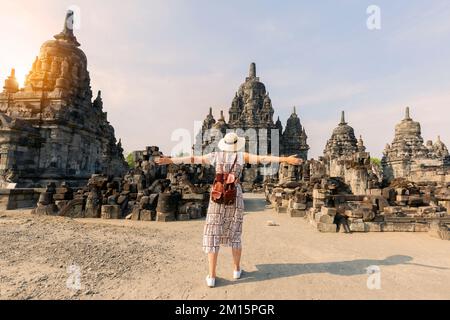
(256, 159)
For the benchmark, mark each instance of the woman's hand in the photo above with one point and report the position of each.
(161, 161)
(293, 160)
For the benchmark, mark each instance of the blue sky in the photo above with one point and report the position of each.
(162, 64)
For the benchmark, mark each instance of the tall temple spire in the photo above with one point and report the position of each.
(210, 112)
(11, 84)
(98, 102)
(343, 118)
(252, 72)
(295, 110)
(407, 114)
(67, 33)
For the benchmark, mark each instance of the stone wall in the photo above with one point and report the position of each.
(12, 199)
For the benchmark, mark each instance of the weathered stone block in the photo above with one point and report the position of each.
(74, 211)
(404, 227)
(122, 199)
(326, 219)
(111, 212)
(165, 217)
(357, 214)
(288, 191)
(63, 190)
(298, 206)
(374, 192)
(317, 204)
(145, 215)
(374, 226)
(63, 196)
(193, 196)
(329, 211)
(183, 217)
(318, 216)
(280, 209)
(402, 198)
(278, 192)
(359, 227)
(136, 214)
(421, 227)
(61, 204)
(47, 210)
(294, 213)
(327, 227)
(319, 194)
(427, 210)
(193, 209)
(392, 210)
(20, 196)
(92, 212)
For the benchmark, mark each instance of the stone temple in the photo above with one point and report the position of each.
(408, 157)
(341, 146)
(346, 157)
(251, 115)
(51, 130)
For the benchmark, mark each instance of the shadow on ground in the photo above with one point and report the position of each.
(254, 205)
(341, 268)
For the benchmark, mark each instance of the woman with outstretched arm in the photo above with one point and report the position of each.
(223, 225)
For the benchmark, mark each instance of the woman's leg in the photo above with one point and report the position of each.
(237, 253)
(212, 258)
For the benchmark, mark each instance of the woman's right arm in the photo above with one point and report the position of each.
(205, 159)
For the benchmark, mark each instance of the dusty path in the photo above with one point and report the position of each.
(147, 260)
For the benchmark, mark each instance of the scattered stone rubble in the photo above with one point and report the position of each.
(146, 193)
(330, 206)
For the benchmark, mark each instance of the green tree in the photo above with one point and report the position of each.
(182, 154)
(376, 162)
(130, 160)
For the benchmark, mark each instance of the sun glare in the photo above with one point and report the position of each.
(21, 74)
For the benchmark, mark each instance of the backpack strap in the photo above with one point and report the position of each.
(234, 163)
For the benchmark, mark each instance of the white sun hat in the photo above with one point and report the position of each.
(231, 143)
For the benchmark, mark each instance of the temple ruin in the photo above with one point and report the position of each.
(408, 157)
(251, 115)
(51, 130)
(344, 190)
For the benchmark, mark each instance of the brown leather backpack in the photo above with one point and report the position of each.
(224, 187)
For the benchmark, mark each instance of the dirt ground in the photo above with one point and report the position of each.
(148, 260)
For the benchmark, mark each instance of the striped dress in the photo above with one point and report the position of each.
(223, 225)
